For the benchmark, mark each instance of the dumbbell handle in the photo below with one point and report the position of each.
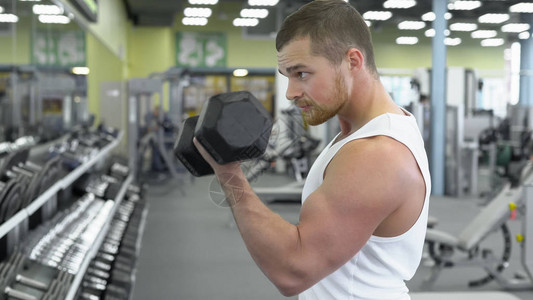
(18, 294)
(31, 282)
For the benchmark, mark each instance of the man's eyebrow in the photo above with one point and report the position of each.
(292, 68)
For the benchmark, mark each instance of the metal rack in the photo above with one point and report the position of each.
(99, 239)
(59, 185)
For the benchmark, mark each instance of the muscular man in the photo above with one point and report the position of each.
(365, 201)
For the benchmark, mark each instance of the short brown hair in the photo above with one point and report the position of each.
(333, 26)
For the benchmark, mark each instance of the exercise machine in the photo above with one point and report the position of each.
(465, 250)
(141, 92)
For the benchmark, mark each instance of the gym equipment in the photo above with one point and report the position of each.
(232, 126)
(140, 96)
(22, 180)
(442, 246)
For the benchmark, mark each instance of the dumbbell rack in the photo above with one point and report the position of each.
(51, 193)
(63, 183)
(98, 242)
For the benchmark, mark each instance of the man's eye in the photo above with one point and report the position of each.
(302, 75)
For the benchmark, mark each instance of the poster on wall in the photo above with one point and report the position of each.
(201, 49)
(59, 48)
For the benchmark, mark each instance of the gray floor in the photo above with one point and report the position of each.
(190, 250)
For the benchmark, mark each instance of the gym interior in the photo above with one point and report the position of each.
(97, 203)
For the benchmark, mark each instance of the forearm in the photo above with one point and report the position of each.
(273, 243)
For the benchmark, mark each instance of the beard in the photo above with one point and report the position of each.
(318, 114)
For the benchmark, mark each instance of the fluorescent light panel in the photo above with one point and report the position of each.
(484, 34)
(8, 18)
(203, 2)
(240, 72)
(515, 27)
(524, 35)
(259, 13)
(262, 2)
(368, 23)
(397, 4)
(377, 15)
(198, 12)
(42, 9)
(190, 21)
(452, 41)
(431, 32)
(245, 22)
(54, 19)
(80, 70)
(493, 18)
(522, 7)
(463, 27)
(492, 42)
(407, 40)
(411, 25)
(464, 5)
(430, 16)
(1, 9)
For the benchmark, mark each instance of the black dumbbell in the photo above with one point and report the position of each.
(232, 126)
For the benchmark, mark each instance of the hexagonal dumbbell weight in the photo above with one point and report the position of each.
(232, 126)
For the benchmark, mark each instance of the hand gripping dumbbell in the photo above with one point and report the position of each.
(232, 126)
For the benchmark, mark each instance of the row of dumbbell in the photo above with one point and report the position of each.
(110, 275)
(18, 280)
(65, 244)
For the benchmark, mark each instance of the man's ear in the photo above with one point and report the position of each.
(355, 58)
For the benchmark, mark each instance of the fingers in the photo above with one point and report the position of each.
(208, 158)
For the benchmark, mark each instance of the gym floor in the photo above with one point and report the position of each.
(192, 250)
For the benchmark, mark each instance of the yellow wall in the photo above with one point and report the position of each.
(104, 66)
(20, 54)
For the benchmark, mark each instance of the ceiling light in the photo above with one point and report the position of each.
(203, 2)
(484, 34)
(54, 19)
(377, 15)
(41, 9)
(452, 41)
(407, 40)
(411, 25)
(522, 7)
(8, 18)
(262, 2)
(492, 42)
(368, 23)
(399, 4)
(260, 13)
(200, 12)
(194, 21)
(1, 9)
(463, 27)
(431, 32)
(515, 27)
(30, 0)
(80, 70)
(430, 16)
(493, 18)
(464, 5)
(524, 35)
(245, 22)
(240, 72)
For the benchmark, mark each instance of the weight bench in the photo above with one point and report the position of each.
(442, 245)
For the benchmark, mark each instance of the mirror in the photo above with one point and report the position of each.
(40, 93)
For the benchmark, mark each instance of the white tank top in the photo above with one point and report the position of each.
(379, 270)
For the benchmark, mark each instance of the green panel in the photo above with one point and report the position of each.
(201, 49)
(63, 48)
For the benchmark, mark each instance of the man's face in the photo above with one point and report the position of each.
(315, 85)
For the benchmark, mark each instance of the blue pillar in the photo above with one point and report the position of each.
(438, 100)
(526, 66)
